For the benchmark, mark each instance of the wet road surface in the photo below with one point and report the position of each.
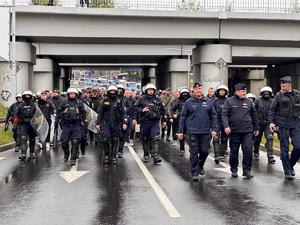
(46, 191)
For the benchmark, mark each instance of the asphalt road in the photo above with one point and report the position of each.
(45, 191)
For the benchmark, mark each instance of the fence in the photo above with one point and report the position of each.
(254, 6)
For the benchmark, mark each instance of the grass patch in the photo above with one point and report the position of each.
(3, 111)
(5, 137)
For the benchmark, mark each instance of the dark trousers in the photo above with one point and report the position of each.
(16, 136)
(199, 145)
(284, 135)
(264, 129)
(175, 128)
(168, 127)
(26, 133)
(246, 141)
(220, 143)
(49, 131)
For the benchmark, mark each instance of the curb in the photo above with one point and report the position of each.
(7, 146)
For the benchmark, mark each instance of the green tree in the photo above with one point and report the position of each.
(102, 4)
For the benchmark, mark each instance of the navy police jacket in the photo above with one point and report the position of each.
(240, 115)
(198, 116)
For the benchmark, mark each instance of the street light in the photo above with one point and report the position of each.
(13, 50)
(189, 52)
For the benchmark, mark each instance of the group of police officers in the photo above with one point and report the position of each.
(193, 118)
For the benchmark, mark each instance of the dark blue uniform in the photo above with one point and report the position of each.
(198, 118)
(94, 104)
(111, 116)
(24, 114)
(124, 136)
(150, 124)
(71, 114)
(285, 113)
(262, 107)
(240, 115)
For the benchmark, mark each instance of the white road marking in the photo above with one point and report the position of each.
(2, 158)
(226, 166)
(169, 207)
(73, 174)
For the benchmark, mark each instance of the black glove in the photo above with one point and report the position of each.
(6, 127)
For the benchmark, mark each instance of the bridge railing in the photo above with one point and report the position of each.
(255, 6)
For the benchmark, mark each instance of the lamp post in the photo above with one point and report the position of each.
(189, 53)
(13, 50)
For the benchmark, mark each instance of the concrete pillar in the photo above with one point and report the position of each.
(25, 57)
(149, 76)
(257, 81)
(43, 74)
(176, 72)
(211, 64)
(152, 75)
(62, 79)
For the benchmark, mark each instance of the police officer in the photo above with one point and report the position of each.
(124, 136)
(151, 110)
(176, 112)
(198, 120)
(251, 96)
(48, 110)
(285, 113)
(11, 113)
(239, 119)
(220, 141)
(70, 115)
(24, 114)
(111, 117)
(262, 106)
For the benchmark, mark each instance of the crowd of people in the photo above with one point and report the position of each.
(184, 116)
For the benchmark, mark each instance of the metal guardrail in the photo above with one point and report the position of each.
(252, 6)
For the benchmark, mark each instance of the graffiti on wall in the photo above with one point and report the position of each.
(5, 94)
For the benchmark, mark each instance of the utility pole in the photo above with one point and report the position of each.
(13, 50)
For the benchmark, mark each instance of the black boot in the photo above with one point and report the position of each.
(146, 149)
(74, 151)
(23, 142)
(32, 148)
(155, 151)
(65, 147)
(106, 151)
(83, 145)
(114, 148)
(181, 147)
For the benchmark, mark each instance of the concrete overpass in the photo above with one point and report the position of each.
(87, 35)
